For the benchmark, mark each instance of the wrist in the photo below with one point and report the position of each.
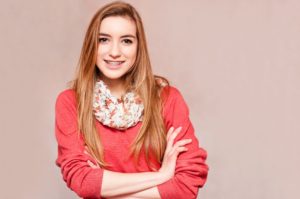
(162, 177)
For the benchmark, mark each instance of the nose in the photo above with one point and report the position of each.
(115, 51)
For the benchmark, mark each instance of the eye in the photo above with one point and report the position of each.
(102, 40)
(127, 41)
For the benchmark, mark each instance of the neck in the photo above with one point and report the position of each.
(116, 86)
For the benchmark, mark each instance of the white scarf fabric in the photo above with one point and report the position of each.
(116, 113)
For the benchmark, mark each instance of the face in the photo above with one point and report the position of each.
(117, 46)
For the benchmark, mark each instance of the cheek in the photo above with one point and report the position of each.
(130, 52)
(103, 50)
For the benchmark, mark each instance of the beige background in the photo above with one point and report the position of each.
(236, 62)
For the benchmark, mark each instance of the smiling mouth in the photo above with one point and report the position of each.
(114, 63)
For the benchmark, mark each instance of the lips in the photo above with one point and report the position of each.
(113, 65)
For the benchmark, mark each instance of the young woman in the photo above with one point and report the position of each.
(123, 132)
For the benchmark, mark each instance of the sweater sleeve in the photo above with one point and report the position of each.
(79, 176)
(191, 170)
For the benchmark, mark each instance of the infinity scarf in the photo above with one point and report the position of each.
(114, 112)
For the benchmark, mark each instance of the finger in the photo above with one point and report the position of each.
(176, 151)
(168, 147)
(171, 138)
(170, 132)
(182, 142)
(181, 149)
(92, 164)
(174, 134)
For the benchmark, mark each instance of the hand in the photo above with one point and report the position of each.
(168, 166)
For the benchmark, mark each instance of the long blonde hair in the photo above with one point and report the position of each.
(151, 137)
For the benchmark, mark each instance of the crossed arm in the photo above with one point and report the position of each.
(191, 170)
(135, 185)
(117, 185)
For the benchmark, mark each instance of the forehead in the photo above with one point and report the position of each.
(117, 25)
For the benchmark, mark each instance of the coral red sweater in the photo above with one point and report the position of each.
(191, 170)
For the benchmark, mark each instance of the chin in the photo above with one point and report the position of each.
(113, 76)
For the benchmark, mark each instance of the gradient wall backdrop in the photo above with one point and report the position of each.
(236, 62)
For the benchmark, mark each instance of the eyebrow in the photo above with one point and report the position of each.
(123, 36)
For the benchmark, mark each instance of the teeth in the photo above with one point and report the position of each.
(114, 62)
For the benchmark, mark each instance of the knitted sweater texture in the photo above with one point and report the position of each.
(191, 169)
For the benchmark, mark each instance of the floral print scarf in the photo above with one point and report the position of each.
(114, 112)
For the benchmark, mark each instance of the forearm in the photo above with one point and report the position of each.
(121, 184)
(151, 193)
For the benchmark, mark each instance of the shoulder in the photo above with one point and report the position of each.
(171, 93)
(65, 97)
(67, 93)
(175, 110)
(165, 88)
(173, 101)
(65, 110)
(65, 114)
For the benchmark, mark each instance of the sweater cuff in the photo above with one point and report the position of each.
(165, 189)
(92, 184)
